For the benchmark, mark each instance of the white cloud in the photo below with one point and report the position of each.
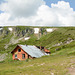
(22, 8)
(61, 4)
(35, 12)
(4, 18)
(47, 16)
(65, 13)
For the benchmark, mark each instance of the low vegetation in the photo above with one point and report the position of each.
(60, 62)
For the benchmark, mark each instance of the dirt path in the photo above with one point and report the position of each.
(72, 71)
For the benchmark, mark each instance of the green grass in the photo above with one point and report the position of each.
(4, 40)
(59, 35)
(47, 65)
(57, 63)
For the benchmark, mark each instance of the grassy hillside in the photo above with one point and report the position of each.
(55, 64)
(59, 35)
(60, 62)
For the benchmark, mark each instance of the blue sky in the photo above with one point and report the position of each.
(0, 3)
(72, 2)
(48, 2)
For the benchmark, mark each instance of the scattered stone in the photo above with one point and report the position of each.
(57, 49)
(69, 40)
(52, 73)
(3, 56)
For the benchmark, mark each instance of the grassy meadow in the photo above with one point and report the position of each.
(47, 65)
(59, 62)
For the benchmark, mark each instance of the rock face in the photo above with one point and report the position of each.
(69, 40)
(20, 33)
(4, 31)
(17, 31)
(23, 31)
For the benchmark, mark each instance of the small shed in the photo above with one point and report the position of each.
(23, 52)
(45, 50)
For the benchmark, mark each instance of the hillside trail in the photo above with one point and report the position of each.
(72, 71)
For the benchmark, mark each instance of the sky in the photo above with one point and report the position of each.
(37, 12)
(72, 2)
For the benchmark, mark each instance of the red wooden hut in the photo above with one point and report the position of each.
(23, 52)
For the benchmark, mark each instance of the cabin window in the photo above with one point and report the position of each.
(19, 50)
(15, 55)
(23, 56)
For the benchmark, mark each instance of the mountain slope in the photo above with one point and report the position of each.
(56, 39)
(61, 43)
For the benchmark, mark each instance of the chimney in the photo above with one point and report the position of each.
(40, 48)
(44, 48)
